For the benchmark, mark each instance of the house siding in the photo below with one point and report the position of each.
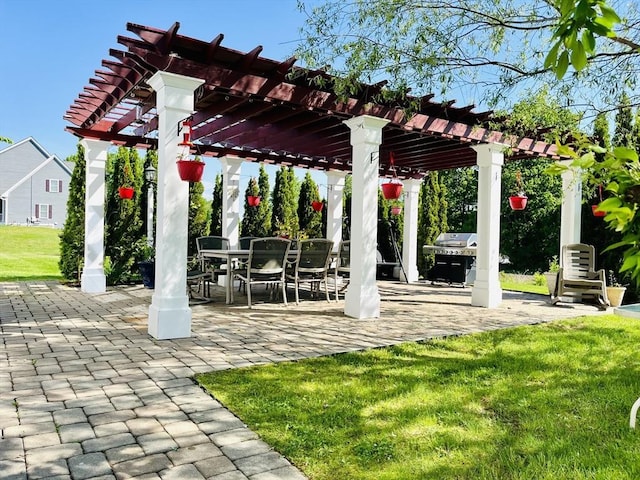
(26, 170)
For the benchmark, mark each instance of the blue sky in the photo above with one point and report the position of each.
(51, 48)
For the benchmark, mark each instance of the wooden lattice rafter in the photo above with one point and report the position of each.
(273, 111)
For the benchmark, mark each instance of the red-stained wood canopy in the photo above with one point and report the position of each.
(274, 112)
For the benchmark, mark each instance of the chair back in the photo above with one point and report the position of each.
(344, 256)
(314, 255)
(245, 242)
(212, 243)
(268, 256)
(578, 260)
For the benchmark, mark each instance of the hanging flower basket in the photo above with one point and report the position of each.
(396, 210)
(126, 192)
(253, 200)
(317, 206)
(594, 208)
(391, 190)
(190, 170)
(518, 202)
(597, 212)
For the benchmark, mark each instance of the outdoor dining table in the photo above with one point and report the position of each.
(229, 256)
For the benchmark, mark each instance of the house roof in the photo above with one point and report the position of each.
(275, 112)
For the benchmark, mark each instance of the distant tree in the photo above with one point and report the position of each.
(432, 217)
(389, 228)
(199, 216)
(72, 235)
(216, 208)
(263, 213)
(6, 140)
(284, 217)
(310, 221)
(461, 185)
(623, 135)
(251, 225)
(530, 238)
(122, 217)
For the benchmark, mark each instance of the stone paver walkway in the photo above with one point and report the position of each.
(86, 393)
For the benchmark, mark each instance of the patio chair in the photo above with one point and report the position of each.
(266, 265)
(311, 265)
(577, 276)
(245, 242)
(211, 266)
(342, 266)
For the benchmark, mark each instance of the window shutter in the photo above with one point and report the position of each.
(59, 186)
(46, 185)
(37, 210)
(50, 212)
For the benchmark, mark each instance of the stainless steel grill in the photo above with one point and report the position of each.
(455, 260)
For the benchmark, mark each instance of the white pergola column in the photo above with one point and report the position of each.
(570, 213)
(486, 290)
(93, 279)
(362, 299)
(231, 167)
(410, 233)
(169, 313)
(334, 206)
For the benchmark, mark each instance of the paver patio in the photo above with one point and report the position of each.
(85, 392)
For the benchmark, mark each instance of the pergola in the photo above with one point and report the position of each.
(244, 107)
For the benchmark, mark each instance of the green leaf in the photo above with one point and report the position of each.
(625, 153)
(610, 203)
(578, 56)
(552, 56)
(629, 263)
(609, 13)
(588, 41)
(563, 64)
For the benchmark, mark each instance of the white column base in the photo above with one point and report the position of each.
(412, 275)
(485, 295)
(362, 304)
(93, 281)
(169, 322)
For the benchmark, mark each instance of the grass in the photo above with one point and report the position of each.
(550, 401)
(29, 253)
(524, 283)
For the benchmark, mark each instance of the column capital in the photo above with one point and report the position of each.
(366, 129)
(412, 185)
(489, 154)
(93, 143)
(231, 161)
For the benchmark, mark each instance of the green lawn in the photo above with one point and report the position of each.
(550, 401)
(524, 283)
(29, 253)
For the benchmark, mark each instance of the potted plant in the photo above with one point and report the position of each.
(392, 189)
(551, 275)
(518, 201)
(253, 200)
(147, 265)
(125, 191)
(615, 290)
(190, 169)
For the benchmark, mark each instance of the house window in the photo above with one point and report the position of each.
(44, 211)
(53, 185)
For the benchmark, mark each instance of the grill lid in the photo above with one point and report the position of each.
(456, 240)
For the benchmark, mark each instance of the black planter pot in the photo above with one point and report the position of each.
(148, 272)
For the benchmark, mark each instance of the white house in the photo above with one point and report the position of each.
(34, 185)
